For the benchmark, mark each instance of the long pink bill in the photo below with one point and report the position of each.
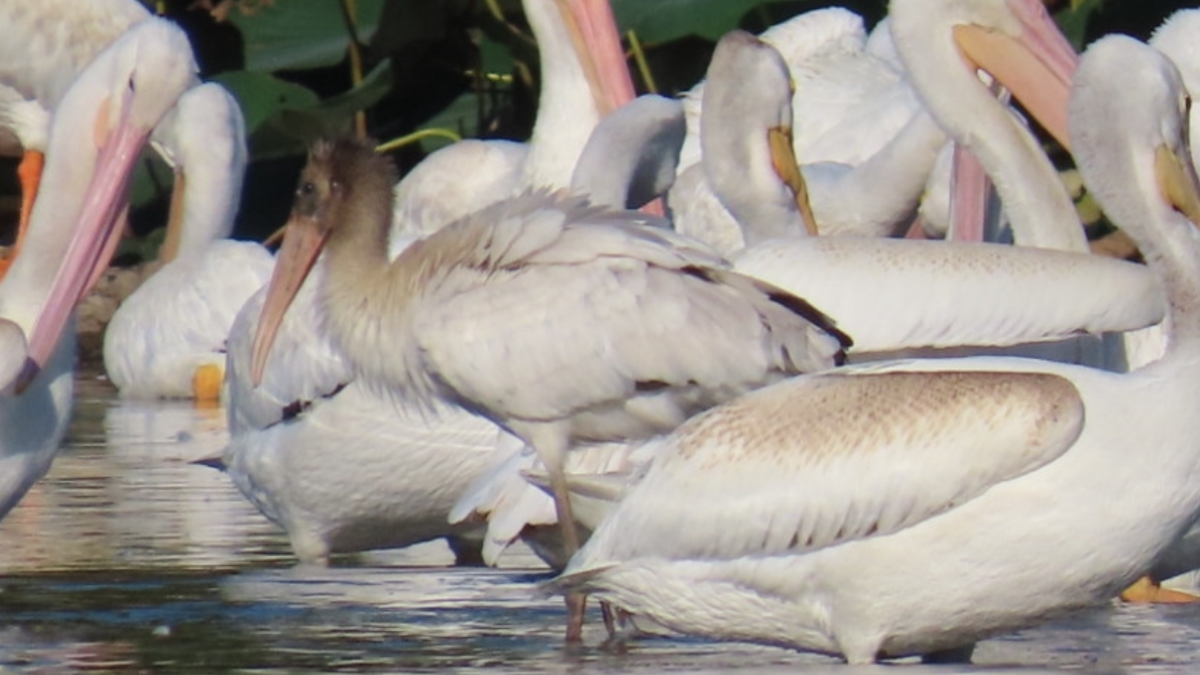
(104, 207)
(969, 188)
(301, 245)
(1036, 66)
(600, 51)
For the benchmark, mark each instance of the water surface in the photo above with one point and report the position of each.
(129, 559)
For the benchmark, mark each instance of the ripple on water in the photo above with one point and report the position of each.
(128, 559)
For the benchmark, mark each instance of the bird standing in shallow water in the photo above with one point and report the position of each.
(561, 322)
(821, 513)
(102, 123)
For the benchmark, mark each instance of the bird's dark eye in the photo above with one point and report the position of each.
(307, 188)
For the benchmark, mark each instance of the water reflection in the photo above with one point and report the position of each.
(128, 559)
(122, 495)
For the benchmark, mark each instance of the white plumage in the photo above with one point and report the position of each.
(340, 466)
(101, 124)
(864, 144)
(917, 506)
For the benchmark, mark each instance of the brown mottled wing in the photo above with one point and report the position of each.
(823, 459)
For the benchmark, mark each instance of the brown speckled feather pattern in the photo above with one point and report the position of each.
(836, 457)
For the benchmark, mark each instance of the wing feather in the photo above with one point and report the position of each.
(892, 294)
(623, 307)
(815, 461)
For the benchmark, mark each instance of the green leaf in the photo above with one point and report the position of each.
(144, 248)
(297, 34)
(665, 20)
(261, 96)
(374, 87)
(282, 117)
(461, 116)
(496, 57)
(152, 179)
(1073, 20)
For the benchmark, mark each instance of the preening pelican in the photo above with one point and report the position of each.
(167, 339)
(99, 127)
(828, 513)
(630, 158)
(581, 302)
(892, 294)
(1176, 38)
(871, 187)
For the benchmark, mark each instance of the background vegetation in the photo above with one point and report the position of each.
(466, 68)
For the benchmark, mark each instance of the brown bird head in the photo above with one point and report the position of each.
(345, 191)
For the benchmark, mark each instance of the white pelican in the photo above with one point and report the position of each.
(148, 353)
(46, 45)
(337, 465)
(867, 186)
(167, 339)
(548, 317)
(24, 127)
(583, 78)
(892, 294)
(1176, 38)
(918, 506)
(99, 127)
(1018, 44)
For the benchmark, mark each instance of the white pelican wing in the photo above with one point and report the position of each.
(838, 457)
(907, 294)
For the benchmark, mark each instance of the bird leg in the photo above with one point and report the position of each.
(570, 539)
(968, 197)
(1147, 590)
(551, 442)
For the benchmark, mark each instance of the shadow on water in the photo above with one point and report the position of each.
(128, 559)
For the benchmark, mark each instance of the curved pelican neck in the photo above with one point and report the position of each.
(69, 159)
(567, 110)
(203, 138)
(1130, 141)
(887, 175)
(1039, 208)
